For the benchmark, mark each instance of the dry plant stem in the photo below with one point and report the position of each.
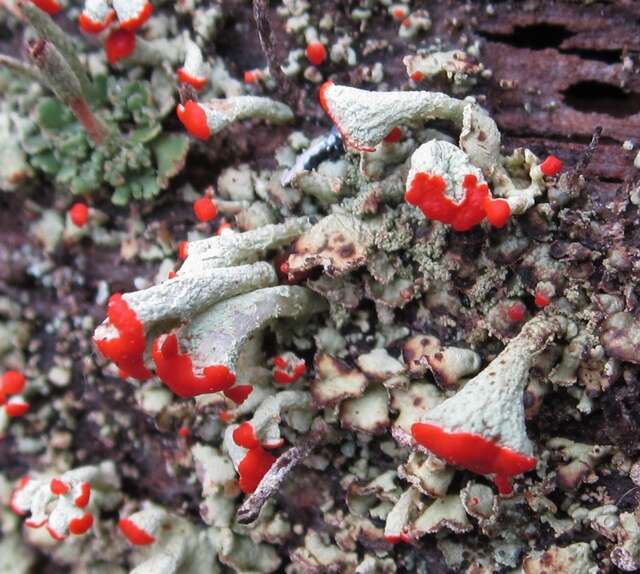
(95, 129)
(22, 68)
(285, 88)
(270, 483)
(584, 161)
(61, 79)
(50, 31)
(12, 9)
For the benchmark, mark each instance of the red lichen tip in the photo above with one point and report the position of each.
(194, 119)
(316, 53)
(323, 98)
(183, 250)
(205, 209)
(541, 299)
(91, 26)
(83, 498)
(176, 370)
(473, 452)
(394, 136)
(239, 393)
(196, 82)
(253, 467)
(551, 166)
(127, 349)
(288, 369)
(16, 409)
(245, 436)
(417, 76)
(139, 19)
(183, 431)
(79, 214)
(134, 533)
(80, 525)
(396, 538)
(119, 45)
(57, 537)
(13, 383)
(51, 7)
(58, 487)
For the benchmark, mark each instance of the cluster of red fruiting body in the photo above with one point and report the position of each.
(256, 462)
(288, 369)
(11, 385)
(121, 41)
(474, 452)
(174, 368)
(81, 496)
(427, 192)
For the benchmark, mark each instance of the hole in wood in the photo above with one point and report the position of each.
(534, 37)
(600, 98)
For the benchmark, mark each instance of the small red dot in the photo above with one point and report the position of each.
(516, 312)
(399, 14)
(250, 77)
(541, 299)
(394, 136)
(205, 209)
(183, 431)
(551, 166)
(316, 53)
(79, 214)
(417, 76)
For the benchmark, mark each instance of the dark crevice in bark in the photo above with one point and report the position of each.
(601, 98)
(544, 36)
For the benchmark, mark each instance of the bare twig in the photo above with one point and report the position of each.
(50, 31)
(65, 85)
(270, 483)
(285, 87)
(13, 9)
(22, 68)
(585, 159)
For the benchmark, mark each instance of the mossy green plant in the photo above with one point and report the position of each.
(137, 164)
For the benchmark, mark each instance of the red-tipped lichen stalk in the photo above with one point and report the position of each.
(482, 427)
